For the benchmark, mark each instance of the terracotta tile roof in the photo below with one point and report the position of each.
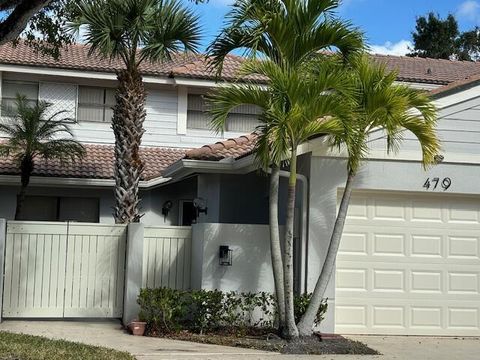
(75, 57)
(98, 164)
(231, 148)
(456, 86)
(432, 71)
(200, 69)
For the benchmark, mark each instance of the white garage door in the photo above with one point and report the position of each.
(409, 264)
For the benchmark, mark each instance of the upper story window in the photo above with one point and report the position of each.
(95, 104)
(242, 119)
(10, 90)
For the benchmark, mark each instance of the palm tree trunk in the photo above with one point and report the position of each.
(291, 331)
(275, 248)
(305, 326)
(128, 118)
(26, 169)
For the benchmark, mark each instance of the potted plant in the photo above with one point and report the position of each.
(137, 327)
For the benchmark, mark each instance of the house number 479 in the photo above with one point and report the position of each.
(434, 183)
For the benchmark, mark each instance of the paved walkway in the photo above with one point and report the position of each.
(110, 334)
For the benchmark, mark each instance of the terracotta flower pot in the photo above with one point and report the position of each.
(137, 327)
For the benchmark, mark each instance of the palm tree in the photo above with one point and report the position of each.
(294, 107)
(379, 104)
(32, 135)
(134, 31)
(288, 33)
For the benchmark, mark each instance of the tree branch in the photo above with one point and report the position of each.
(16, 22)
(8, 4)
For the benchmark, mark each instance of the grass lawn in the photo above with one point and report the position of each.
(27, 347)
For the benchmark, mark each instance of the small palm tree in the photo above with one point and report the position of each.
(32, 135)
(295, 107)
(288, 33)
(134, 31)
(379, 104)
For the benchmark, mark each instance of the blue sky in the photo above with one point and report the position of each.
(387, 23)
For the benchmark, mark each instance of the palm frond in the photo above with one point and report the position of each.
(136, 30)
(381, 104)
(32, 134)
(175, 29)
(284, 31)
(222, 101)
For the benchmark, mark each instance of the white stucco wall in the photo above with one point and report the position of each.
(251, 270)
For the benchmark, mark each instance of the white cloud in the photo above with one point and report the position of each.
(399, 48)
(469, 10)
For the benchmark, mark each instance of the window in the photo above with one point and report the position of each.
(242, 119)
(95, 104)
(53, 208)
(10, 90)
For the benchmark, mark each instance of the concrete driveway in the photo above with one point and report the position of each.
(110, 334)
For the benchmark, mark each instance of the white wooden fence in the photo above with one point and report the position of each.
(167, 257)
(64, 270)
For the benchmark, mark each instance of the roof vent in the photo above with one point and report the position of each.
(429, 71)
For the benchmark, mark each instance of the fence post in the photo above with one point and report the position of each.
(3, 235)
(133, 272)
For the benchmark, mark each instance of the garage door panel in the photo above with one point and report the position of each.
(387, 316)
(379, 241)
(409, 266)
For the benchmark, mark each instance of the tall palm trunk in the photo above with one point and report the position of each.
(305, 326)
(275, 248)
(26, 169)
(291, 331)
(128, 118)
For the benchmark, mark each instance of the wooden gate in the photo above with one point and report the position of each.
(66, 270)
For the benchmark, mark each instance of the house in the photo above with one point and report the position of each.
(409, 261)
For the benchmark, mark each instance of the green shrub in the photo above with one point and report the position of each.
(300, 304)
(206, 309)
(167, 310)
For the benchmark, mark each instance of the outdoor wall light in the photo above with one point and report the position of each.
(200, 206)
(225, 255)
(166, 207)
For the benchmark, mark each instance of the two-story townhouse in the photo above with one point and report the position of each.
(410, 254)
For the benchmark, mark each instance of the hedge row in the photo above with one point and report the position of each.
(169, 310)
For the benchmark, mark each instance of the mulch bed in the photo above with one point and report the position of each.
(268, 341)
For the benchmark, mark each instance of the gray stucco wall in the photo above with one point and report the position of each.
(328, 177)
(8, 196)
(154, 199)
(151, 204)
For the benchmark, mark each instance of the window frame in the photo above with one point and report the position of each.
(227, 125)
(58, 207)
(105, 106)
(14, 98)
